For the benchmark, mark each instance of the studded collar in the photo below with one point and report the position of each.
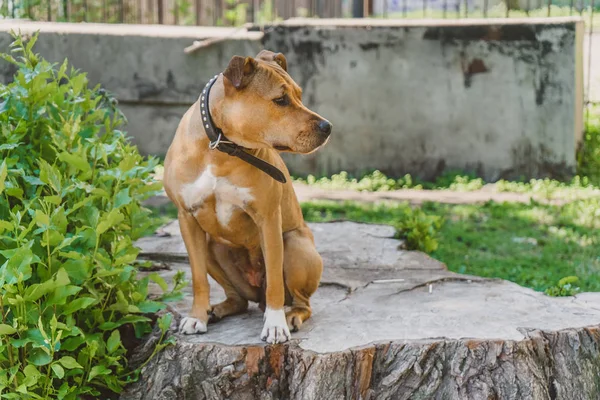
(218, 141)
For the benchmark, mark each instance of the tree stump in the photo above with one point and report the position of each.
(387, 324)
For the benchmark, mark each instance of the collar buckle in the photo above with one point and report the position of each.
(215, 143)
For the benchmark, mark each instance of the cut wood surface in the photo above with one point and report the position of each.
(387, 324)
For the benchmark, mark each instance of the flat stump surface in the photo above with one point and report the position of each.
(387, 324)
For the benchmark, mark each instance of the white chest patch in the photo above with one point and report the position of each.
(228, 197)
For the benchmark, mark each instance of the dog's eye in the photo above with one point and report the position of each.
(282, 101)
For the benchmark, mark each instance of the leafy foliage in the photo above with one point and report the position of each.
(70, 193)
(565, 287)
(418, 229)
(588, 156)
(578, 187)
(376, 181)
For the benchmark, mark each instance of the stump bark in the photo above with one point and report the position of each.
(387, 324)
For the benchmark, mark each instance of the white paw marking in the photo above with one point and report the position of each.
(275, 329)
(190, 326)
(228, 197)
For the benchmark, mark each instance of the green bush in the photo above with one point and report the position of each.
(419, 230)
(70, 193)
(373, 182)
(588, 156)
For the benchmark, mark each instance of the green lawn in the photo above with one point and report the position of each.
(534, 245)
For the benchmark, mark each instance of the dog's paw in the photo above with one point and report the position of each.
(276, 329)
(294, 322)
(191, 325)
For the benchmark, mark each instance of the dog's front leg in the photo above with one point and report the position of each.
(195, 242)
(275, 329)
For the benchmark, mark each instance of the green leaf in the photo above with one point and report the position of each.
(58, 370)
(5, 225)
(9, 146)
(17, 343)
(98, 370)
(31, 43)
(31, 371)
(109, 220)
(15, 192)
(151, 188)
(78, 270)
(41, 219)
(56, 200)
(149, 307)
(164, 322)
(568, 280)
(62, 278)
(170, 297)
(78, 304)
(72, 343)
(31, 376)
(39, 356)
(122, 198)
(76, 161)
(50, 175)
(113, 341)
(35, 291)
(53, 323)
(65, 242)
(36, 337)
(159, 280)
(69, 362)
(18, 266)
(107, 326)
(62, 294)
(7, 329)
(33, 180)
(3, 172)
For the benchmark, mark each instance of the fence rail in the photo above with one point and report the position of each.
(237, 12)
(172, 12)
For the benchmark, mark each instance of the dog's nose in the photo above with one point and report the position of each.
(325, 127)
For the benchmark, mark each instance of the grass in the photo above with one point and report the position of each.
(534, 245)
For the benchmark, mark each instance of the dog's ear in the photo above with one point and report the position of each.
(268, 55)
(240, 71)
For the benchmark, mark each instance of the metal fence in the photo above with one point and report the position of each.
(237, 12)
(172, 12)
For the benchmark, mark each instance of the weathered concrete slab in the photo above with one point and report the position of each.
(387, 324)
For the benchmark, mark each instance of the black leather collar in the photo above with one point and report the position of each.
(219, 142)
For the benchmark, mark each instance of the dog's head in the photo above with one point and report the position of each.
(262, 107)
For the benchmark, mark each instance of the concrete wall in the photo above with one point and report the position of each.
(499, 98)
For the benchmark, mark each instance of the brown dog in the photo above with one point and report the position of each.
(238, 223)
